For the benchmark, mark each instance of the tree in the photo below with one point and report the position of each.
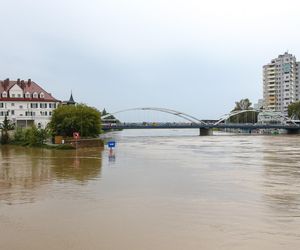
(5, 127)
(243, 104)
(246, 117)
(294, 110)
(67, 119)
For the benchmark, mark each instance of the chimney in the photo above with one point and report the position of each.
(6, 83)
(18, 81)
(29, 81)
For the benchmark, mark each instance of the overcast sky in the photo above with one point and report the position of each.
(194, 56)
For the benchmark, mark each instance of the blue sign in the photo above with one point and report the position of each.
(111, 144)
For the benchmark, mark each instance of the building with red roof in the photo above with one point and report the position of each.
(26, 103)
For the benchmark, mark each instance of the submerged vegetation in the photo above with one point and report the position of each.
(31, 136)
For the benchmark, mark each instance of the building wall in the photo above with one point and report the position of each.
(23, 113)
(281, 83)
(26, 103)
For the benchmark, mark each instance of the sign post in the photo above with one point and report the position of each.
(76, 136)
(111, 156)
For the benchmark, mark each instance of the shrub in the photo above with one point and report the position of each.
(31, 136)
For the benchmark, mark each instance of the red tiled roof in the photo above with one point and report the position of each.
(2, 99)
(26, 86)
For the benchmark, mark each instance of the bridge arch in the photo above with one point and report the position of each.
(234, 113)
(164, 110)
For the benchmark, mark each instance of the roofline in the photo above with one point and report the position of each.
(27, 99)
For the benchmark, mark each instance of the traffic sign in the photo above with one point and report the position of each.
(76, 135)
(111, 144)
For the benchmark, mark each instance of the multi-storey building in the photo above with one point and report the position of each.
(26, 103)
(281, 83)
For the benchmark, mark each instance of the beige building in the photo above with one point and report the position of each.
(26, 103)
(281, 83)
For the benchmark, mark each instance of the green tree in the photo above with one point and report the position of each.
(294, 110)
(31, 136)
(246, 117)
(67, 119)
(243, 104)
(5, 126)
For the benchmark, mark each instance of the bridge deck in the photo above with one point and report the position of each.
(199, 126)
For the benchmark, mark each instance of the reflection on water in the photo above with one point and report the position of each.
(166, 190)
(24, 170)
(111, 155)
(282, 177)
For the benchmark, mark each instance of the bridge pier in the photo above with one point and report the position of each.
(205, 131)
(293, 131)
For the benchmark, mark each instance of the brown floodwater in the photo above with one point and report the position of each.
(160, 189)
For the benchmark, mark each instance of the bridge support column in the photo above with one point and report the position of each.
(205, 131)
(293, 131)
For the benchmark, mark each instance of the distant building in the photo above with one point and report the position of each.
(281, 83)
(70, 101)
(270, 117)
(26, 103)
(259, 104)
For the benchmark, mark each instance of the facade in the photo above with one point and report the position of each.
(270, 117)
(281, 83)
(259, 104)
(26, 103)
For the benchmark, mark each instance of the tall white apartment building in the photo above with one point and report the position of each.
(281, 83)
(26, 103)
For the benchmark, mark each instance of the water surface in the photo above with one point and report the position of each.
(160, 189)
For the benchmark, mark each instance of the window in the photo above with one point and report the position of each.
(43, 105)
(12, 104)
(35, 95)
(27, 95)
(42, 95)
(4, 94)
(12, 112)
(21, 106)
(4, 113)
(34, 105)
(1, 105)
(19, 95)
(13, 95)
(52, 105)
(29, 113)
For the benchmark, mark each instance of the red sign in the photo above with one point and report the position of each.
(76, 135)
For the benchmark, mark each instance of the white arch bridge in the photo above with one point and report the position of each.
(205, 126)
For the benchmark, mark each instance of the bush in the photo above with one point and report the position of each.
(31, 136)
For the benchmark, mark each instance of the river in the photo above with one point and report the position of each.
(159, 189)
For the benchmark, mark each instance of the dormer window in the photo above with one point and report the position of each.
(35, 95)
(27, 95)
(4, 94)
(42, 95)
